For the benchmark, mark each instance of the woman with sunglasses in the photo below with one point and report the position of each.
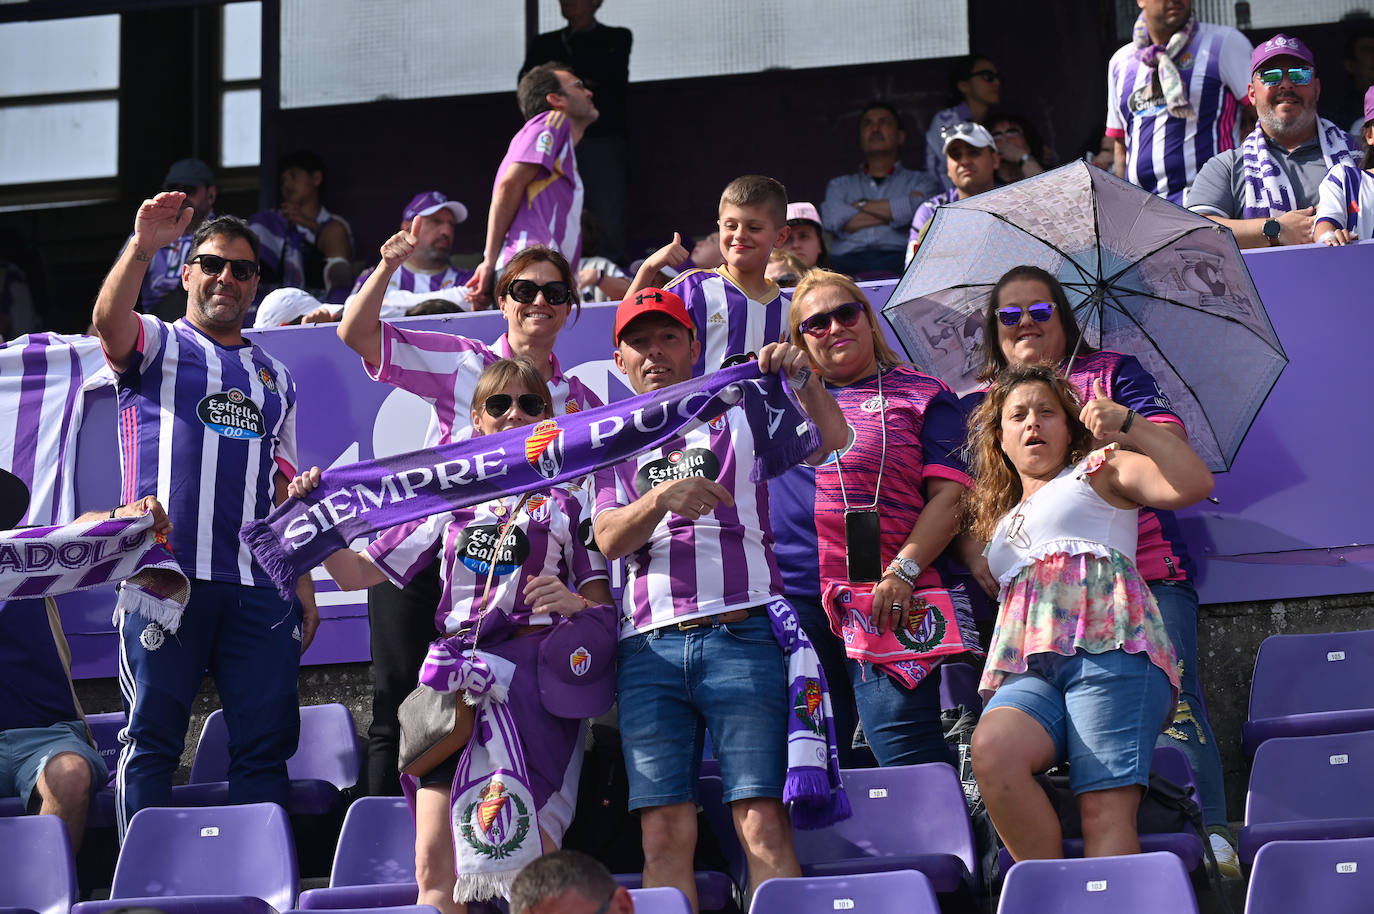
(975, 89)
(1029, 321)
(874, 521)
(541, 568)
(536, 294)
(1081, 668)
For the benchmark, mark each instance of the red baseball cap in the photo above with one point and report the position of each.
(651, 301)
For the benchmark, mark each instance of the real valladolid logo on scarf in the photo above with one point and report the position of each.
(366, 497)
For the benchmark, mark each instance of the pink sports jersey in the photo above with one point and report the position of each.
(408, 280)
(550, 211)
(546, 538)
(443, 369)
(1164, 153)
(925, 437)
(732, 326)
(717, 564)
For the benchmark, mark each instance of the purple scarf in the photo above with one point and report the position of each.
(1268, 191)
(1162, 59)
(363, 498)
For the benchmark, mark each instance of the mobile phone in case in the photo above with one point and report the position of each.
(861, 548)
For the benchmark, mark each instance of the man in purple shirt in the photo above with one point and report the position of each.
(537, 198)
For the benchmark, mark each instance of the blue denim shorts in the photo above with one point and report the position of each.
(1103, 712)
(674, 685)
(24, 751)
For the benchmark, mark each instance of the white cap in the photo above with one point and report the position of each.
(281, 306)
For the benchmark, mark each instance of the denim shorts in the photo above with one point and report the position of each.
(24, 751)
(674, 685)
(1103, 712)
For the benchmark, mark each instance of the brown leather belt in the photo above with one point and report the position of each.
(737, 615)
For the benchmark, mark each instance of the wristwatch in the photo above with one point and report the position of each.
(1271, 231)
(906, 569)
(860, 203)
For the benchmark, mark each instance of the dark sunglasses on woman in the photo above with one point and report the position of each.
(818, 325)
(213, 265)
(1040, 312)
(525, 290)
(532, 405)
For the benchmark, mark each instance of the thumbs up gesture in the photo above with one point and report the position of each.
(1102, 415)
(670, 255)
(401, 245)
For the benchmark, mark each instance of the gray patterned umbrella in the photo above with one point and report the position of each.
(1144, 276)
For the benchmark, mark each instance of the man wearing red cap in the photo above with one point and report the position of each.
(697, 651)
(1265, 190)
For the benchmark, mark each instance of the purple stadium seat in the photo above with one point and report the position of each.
(910, 817)
(376, 844)
(1138, 884)
(1335, 876)
(37, 872)
(219, 850)
(959, 686)
(326, 761)
(11, 806)
(105, 728)
(895, 892)
(1309, 787)
(1309, 684)
(390, 909)
(660, 901)
(345, 897)
(180, 904)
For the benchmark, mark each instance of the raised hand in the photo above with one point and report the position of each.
(162, 220)
(792, 362)
(1102, 415)
(401, 245)
(304, 484)
(670, 255)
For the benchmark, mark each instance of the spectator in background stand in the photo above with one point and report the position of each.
(785, 268)
(162, 294)
(868, 211)
(1345, 212)
(972, 166)
(1180, 78)
(807, 236)
(600, 54)
(1359, 63)
(432, 306)
(598, 278)
(1266, 191)
(304, 245)
(1100, 150)
(975, 88)
(283, 307)
(537, 197)
(1020, 148)
(568, 882)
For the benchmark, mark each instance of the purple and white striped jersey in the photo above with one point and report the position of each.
(206, 428)
(1346, 200)
(732, 326)
(43, 379)
(547, 537)
(443, 369)
(282, 247)
(550, 211)
(717, 564)
(1163, 153)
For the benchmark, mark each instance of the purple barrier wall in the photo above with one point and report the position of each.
(1294, 517)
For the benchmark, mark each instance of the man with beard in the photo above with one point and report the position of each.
(207, 421)
(427, 272)
(1173, 96)
(1265, 191)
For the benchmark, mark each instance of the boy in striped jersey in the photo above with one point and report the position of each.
(739, 309)
(206, 421)
(696, 645)
(537, 198)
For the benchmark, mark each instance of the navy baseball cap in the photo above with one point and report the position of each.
(189, 173)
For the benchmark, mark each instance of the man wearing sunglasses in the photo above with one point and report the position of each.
(208, 424)
(1173, 93)
(1265, 190)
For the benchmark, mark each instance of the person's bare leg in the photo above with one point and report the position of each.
(64, 787)
(765, 833)
(1009, 747)
(670, 841)
(1109, 821)
(434, 850)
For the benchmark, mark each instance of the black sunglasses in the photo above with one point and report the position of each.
(1040, 312)
(818, 325)
(213, 265)
(991, 76)
(532, 405)
(525, 290)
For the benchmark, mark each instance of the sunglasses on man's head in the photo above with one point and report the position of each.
(963, 128)
(1040, 312)
(818, 325)
(1300, 76)
(213, 265)
(525, 290)
(532, 405)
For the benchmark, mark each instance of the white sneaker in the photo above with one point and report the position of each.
(1228, 863)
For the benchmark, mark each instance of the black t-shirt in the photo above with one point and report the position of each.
(600, 56)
